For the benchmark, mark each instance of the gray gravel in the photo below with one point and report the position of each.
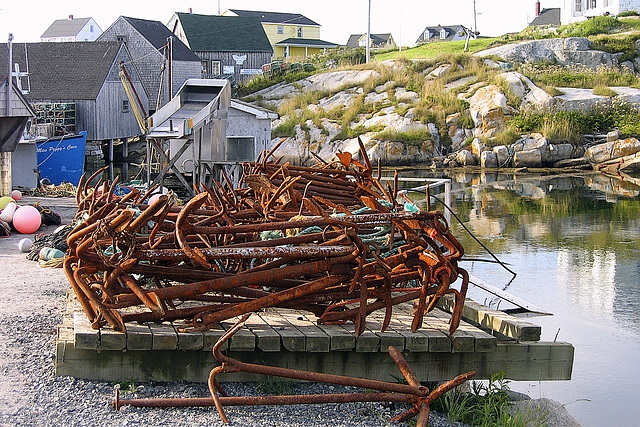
(32, 300)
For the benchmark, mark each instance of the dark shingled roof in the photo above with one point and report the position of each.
(157, 33)
(276, 17)
(213, 33)
(306, 42)
(65, 28)
(64, 71)
(376, 39)
(549, 16)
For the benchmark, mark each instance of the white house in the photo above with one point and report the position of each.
(72, 30)
(579, 10)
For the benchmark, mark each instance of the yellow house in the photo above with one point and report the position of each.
(292, 35)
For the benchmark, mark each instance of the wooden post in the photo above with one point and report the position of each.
(111, 160)
(125, 161)
(5, 173)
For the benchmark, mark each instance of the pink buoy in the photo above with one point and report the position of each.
(153, 198)
(16, 195)
(27, 220)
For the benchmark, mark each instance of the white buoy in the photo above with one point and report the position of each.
(25, 245)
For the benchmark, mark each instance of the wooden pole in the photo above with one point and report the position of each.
(125, 161)
(5, 173)
(111, 160)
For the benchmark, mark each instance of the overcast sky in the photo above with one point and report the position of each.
(404, 19)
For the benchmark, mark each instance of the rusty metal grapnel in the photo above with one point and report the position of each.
(419, 396)
(329, 239)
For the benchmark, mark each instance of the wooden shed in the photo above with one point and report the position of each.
(162, 60)
(76, 87)
(229, 47)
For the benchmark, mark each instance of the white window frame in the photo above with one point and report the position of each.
(427, 34)
(443, 34)
(299, 32)
(280, 29)
(216, 67)
(125, 106)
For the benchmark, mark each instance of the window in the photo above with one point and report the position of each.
(125, 105)
(204, 68)
(443, 34)
(300, 32)
(240, 149)
(591, 4)
(91, 28)
(578, 5)
(280, 29)
(121, 38)
(427, 34)
(216, 68)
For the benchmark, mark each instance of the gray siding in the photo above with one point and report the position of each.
(85, 114)
(114, 123)
(183, 70)
(148, 62)
(254, 60)
(241, 123)
(146, 59)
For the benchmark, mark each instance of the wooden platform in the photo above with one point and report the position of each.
(487, 341)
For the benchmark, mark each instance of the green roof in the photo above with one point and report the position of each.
(212, 33)
(294, 41)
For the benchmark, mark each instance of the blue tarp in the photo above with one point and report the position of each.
(62, 159)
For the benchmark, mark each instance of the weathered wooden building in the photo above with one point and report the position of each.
(248, 130)
(162, 60)
(76, 87)
(378, 41)
(229, 47)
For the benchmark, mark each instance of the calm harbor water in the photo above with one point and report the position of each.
(574, 242)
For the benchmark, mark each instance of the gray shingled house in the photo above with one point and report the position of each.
(148, 43)
(76, 86)
(444, 34)
(229, 47)
(548, 17)
(378, 41)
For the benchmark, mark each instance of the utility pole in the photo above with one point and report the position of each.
(475, 19)
(9, 74)
(369, 33)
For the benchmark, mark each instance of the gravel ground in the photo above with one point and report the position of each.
(32, 300)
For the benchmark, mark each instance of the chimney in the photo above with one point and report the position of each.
(190, 10)
(70, 16)
(538, 8)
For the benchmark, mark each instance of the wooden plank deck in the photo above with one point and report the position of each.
(488, 342)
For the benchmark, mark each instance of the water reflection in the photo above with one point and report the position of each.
(588, 278)
(574, 241)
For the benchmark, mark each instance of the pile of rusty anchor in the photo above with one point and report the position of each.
(329, 239)
(413, 392)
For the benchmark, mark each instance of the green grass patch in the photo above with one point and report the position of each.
(591, 27)
(569, 126)
(349, 133)
(433, 50)
(486, 405)
(578, 77)
(603, 90)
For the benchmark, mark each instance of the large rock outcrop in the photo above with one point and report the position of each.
(488, 108)
(566, 51)
(612, 150)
